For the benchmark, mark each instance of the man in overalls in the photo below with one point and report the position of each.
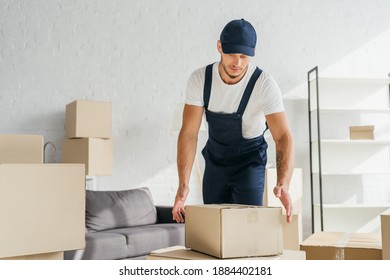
(240, 102)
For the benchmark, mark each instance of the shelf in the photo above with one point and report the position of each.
(360, 93)
(353, 80)
(352, 173)
(353, 142)
(341, 110)
(358, 206)
(352, 156)
(350, 218)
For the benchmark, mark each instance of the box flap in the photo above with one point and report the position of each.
(364, 240)
(181, 253)
(228, 206)
(386, 213)
(325, 239)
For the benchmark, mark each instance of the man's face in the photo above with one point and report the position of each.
(235, 64)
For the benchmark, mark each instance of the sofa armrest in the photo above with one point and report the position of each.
(164, 214)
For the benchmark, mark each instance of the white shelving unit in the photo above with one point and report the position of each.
(350, 179)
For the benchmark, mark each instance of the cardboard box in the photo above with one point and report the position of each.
(87, 118)
(361, 132)
(343, 246)
(181, 253)
(385, 230)
(295, 190)
(292, 233)
(233, 231)
(42, 208)
(95, 153)
(45, 256)
(16, 148)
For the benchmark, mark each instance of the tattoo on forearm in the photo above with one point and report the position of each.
(279, 157)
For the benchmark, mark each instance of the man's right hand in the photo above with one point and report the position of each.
(282, 193)
(178, 211)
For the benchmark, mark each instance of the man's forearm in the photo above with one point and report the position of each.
(284, 159)
(186, 149)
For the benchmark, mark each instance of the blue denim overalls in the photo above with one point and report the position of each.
(235, 166)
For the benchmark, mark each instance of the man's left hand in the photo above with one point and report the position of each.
(282, 193)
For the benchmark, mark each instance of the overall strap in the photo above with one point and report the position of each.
(266, 127)
(207, 85)
(248, 91)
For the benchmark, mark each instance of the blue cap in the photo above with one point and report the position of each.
(239, 36)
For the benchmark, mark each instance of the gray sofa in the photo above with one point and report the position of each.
(126, 225)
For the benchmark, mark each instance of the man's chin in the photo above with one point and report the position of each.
(234, 75)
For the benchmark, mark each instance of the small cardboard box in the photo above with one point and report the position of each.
(343, 246)
(361, 132)
(385, 230)
(181, 253)
(42, 208)
(295, 190)
(21, 148)
(95, 153)
(234, 231)
(87, 118)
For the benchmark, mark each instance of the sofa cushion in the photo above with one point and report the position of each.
(144, 239)
(119, 209)
(100, 246)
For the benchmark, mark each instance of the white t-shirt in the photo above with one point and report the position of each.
(266, 98)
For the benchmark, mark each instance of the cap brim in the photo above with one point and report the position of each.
(233, 48)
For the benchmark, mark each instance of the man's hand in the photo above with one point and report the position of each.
(178, 211)
(282, 193)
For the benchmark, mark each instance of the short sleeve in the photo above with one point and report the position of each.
(194, 91)
(272, 97)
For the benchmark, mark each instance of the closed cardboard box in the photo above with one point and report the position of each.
(385, 229)
(87, 118)
(233, 231)
(95, 153)
(16, 148)
(295, 190)
(292, 232)
(343, 246)
(181, 253)
(361, 132)
(42, 208)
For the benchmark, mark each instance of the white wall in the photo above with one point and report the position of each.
(138, 55)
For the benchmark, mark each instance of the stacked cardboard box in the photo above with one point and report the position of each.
(88, 133)
(36, 196)
(46, 199)
(16, 148)
(343, 246)
(292, 232)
